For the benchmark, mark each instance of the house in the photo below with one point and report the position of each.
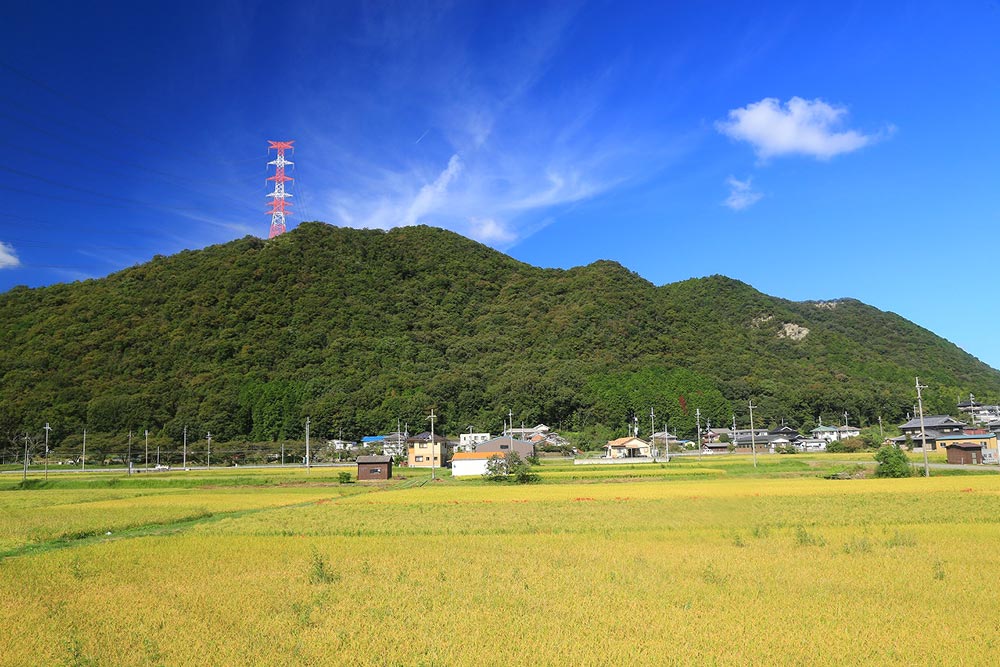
(660, 438)
(467, 464)
(503, 443)
(422, 453)
(811, 445)
(627, 448)
(745, 444)
(341, 445)
(845, 431)
(373, 441)
(374, 467)
(467, 441)
(786, 432)
(526, 433)
(973, 447)
(827, 433)
(759, 434)
(978, 412)
(935, 426)
(394, 444)
(715, 434)
(717, 447)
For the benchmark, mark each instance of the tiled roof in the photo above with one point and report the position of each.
(933, 420)
(374, 459)
(620, 442)
(477, 456)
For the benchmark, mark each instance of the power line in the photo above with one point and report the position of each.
(173, 180)
(46, 87)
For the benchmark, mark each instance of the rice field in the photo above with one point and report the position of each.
(714, 568)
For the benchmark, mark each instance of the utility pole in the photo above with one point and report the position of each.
(652, 431)
(666, 440)
(25, 475)
(432, 418)
(282, 453)
(510, 413)
(923, 433)
(130, 452)
(308, 469)
(47, 429)
(83, 458)
(697, 416)
(157, 454)
(185, 464)
(753, 434)
(881, 434)
(146, 433)
(209, 450)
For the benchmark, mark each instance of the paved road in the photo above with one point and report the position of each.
(920, 464)
(55, 470)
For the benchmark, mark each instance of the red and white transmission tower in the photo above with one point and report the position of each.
(279, 207)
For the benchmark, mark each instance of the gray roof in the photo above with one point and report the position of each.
(374, 459)
(426, 437)
(931, 421)
(915, 437)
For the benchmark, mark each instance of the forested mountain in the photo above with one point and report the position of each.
(358, 327)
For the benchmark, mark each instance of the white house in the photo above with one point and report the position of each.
(811, 445)
(468, 464)
(828, 433)
(846, 431)
(467, 441)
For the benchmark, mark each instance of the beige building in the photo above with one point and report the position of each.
(627, 448)
(421, 453)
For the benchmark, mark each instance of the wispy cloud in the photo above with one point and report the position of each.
(491, 150)
(8, 256)
(741, 194)
(803, 127)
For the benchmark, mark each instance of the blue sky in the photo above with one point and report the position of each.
(813, 150)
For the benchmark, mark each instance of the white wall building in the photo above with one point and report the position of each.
(467, 441)
(467, 464)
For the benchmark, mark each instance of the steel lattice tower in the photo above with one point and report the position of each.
(279, 207)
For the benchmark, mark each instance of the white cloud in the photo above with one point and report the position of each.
(741, 194)
(489, 230)
(432, 195)
(492, 196)
(799, 127)
(8, 257)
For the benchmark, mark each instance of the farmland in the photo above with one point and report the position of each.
(693, 562)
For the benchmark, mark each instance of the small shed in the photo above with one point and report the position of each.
(965, 452)
(374, 467)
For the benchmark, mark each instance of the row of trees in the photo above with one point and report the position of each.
(357, 328)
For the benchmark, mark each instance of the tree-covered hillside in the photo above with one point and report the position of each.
(357, 328)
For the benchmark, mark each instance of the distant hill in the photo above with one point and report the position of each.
(358, 327)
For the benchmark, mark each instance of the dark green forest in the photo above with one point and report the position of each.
(356, 328)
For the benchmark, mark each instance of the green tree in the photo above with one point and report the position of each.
(892, 462)
(509, 467)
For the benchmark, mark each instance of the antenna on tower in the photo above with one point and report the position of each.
(279, 207)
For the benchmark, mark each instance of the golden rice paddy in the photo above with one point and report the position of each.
(660, 570)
